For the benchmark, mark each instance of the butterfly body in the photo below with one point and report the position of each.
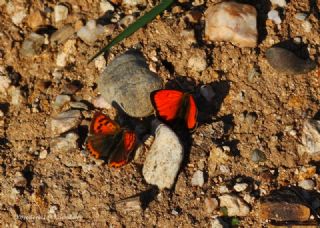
(108, 141)
(174, 105)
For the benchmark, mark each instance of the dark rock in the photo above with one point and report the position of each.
(286, 61)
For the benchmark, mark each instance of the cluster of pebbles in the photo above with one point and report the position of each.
(126, 83)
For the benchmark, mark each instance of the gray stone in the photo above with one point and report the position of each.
(285, 61)
(197, 178)
(128, 82)
(234, 204)
(164, 158)
(65, 121)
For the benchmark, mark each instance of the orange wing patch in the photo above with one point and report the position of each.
(191, 117)
(102, 124)
(167, 103)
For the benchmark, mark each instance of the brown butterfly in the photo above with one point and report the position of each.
(108, 141)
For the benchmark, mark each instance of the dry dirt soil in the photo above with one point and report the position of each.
(80, 191)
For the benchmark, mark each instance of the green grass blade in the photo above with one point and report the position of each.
(140, 22)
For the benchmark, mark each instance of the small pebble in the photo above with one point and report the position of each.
(223, 189)
(307, 184)
(127, 20)
(258, 156)
(65, 121)
(62, 34)
(64, 144)
(106, 6)
(20, 180)
(164, 158)
(234, 204)
(274, 16)
(90, 32)
(60, 13)
(129, 205)
(4, 85)
(307, 26)
(189, 36)
(61, 60)
(32, 45)
(231, 21)
(60, 101)
(78, 105)
(100, 63)
(310, 137)
(43, 154)
(16, 96)
(197, 63)
(240, 187)
(18, 17)
(210, 204)
(197, 179)
(218, 223)
(280, 3)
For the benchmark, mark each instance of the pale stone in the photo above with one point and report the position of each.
(231, 21)
(197, 63)
(164, 158)
(18, 17)
(90, 32)
(307, 184)
(234, 204)
(106, 6)
(60, 13)
(274, 16)
(310, 137)
(197, 179)
(239, 187)
(65, 121)
(280, 3)
(61, 60)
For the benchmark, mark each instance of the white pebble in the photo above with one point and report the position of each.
(234, 204)
(307, 184)
(16, 97)
(163, 161)
(239, 187)
(197, 178)
(4, 85)
(100, 63)
(100, 102)
(43, 154)
(280, 3)
(274, 16)
(60, 13)
(106, 6)
(61, 60)
(18, 17)
(231, 21)
(90, 32)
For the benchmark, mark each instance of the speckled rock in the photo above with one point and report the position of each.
(164, 158)
(285, 61)
(128, 82)
(231, 21)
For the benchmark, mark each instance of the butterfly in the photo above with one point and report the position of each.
(172, 105)
(108, 141)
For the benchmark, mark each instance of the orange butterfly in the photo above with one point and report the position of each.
(174, 105)
(107, 140)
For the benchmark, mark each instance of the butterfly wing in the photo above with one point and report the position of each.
(100, 146)
(191, 116)
(167, 103)
(102, 124)
(122, 151)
